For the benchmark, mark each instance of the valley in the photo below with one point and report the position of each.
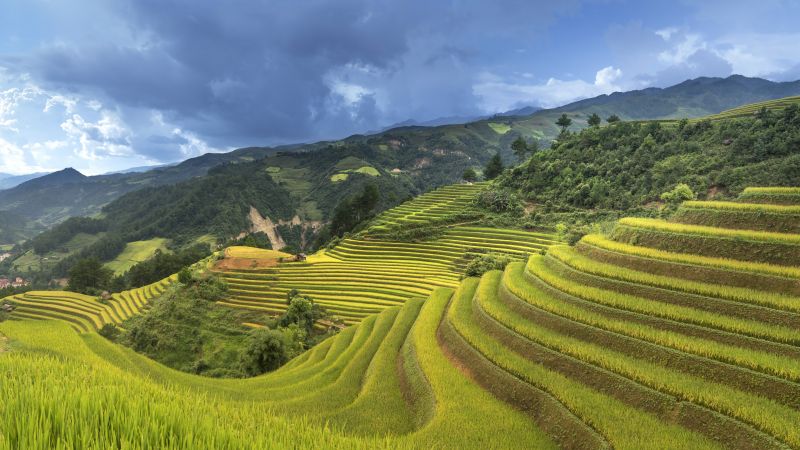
(634, 285)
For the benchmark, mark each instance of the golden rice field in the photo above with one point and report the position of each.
(649, 338)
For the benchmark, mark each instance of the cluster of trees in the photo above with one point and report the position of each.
(58, 236)
(292, 333)
(354, 210)
(89, 276)
(185, 329)
(629, 164)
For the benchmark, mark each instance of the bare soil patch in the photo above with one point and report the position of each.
(244, 264)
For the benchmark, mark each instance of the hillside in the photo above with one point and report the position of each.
(629, 164)
(308, 183)
(419, 149)
(678, 333)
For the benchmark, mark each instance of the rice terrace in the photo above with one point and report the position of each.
(465, 252)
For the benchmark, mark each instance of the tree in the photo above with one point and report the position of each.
(564, 122)
(109, 331)
(303, 312)
(88, 276)
(185, 276)
(264, 351)
(520, 148)
(533, 146)
(353, 210)
(612, 118)
(678, 194)
(469, 175)
(494, 167)
(594, 120)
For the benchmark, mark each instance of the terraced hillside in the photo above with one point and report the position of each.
(84, 312)
(661, 335)
(428, 207)
(364, 275)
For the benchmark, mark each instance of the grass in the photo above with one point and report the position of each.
(765, 414)
(683, 258)
(136, 252)
(664, 310)
(749, 207)
(499, 128)
(368, 170)
(646, 343)
(82, 312)
(575, 260)
(335, 178)
(660, 225)
(745, 245)
(621, 425)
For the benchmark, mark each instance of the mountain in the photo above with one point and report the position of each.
(52, 198)
(691, 98)
(524, 111)
(8, 181)
(140, 169)
(439, 121)
(421, 157)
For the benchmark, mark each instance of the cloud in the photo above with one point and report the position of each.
(666, 33)
(10, 99)
(108, 136)
(13, 159)
(498, 95)
(247, 75)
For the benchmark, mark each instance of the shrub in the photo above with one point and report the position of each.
(109, 331)
(499, 201)
(265, 351)
(484, 263)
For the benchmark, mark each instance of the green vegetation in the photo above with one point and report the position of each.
(136, 252)
(499, 128)
(494, 167)
(627, 165)
(674, 329)
(607, 343)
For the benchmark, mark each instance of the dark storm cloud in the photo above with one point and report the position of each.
(244, 71)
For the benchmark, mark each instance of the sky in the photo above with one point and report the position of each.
(104, 85)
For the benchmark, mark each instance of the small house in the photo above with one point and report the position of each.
(300, 257)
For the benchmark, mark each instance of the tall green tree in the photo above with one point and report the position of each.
(88, 276)
(520, 148)
(612, 118)
(594, 120)
(564, 122)
(469, 175)
(352, 211)
(265, 351)
(494, 167)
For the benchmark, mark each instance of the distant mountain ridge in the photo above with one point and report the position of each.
(8, 181)
(69, 193)
(691, 98)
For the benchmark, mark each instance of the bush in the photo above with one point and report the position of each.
(109, 331)
(185, 276)
(499, 201)
(265, 351)
(484, 263)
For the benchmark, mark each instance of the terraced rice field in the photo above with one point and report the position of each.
(83, 312)
(360, 277)
(614, 343)
(428, 207)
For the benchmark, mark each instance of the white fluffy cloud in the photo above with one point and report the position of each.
(498, 95)
(105, 137)
(13, 159)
